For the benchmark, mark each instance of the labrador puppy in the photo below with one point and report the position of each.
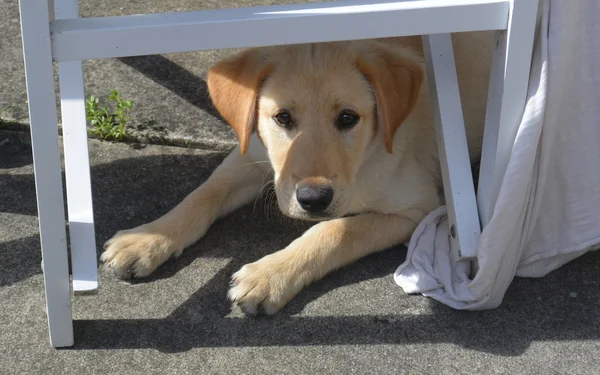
(345, 132)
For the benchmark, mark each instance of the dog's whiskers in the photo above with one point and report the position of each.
(252, 163)
(268, 182)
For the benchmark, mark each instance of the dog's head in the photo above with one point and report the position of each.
(319, 109)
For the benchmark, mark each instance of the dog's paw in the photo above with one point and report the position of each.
(137, 252)
(266, 285)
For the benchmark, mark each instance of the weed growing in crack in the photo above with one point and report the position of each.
(109, 122)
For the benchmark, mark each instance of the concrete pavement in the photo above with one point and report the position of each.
(355, 320)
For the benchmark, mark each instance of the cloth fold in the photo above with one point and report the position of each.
(548, 208)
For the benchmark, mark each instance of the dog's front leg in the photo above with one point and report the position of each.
(275, 279)
(138, 252)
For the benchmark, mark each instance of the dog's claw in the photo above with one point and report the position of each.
(136, 253)
(265, 285)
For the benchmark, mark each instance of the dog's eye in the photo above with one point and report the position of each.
(347, 120)
(284, 119)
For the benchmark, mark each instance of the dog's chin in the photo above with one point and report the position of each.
(309, 216)
(300, 214)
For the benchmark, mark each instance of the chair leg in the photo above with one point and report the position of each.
(509, 79)
(453, 150)
(84, 264)
(39, 75)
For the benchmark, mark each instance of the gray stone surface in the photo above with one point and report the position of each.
(355, 320)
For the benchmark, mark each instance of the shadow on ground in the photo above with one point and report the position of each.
(534, 310)
(175, 78)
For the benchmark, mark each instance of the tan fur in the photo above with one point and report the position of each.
(233, 85)
(396, 77)
(385, 170)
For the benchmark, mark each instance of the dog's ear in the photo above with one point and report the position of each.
(396, 77)
(233, 85)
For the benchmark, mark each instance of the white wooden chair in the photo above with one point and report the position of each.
(53, 31)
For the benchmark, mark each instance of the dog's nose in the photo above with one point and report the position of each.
(314, 198)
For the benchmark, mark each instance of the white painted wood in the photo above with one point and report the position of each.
(51, 15)
(46, 161)
(84, 264)
(453, 150)
(93, 38)
(506, 100)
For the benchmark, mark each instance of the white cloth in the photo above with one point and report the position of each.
(548, 209)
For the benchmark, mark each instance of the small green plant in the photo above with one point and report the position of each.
(110, 122)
